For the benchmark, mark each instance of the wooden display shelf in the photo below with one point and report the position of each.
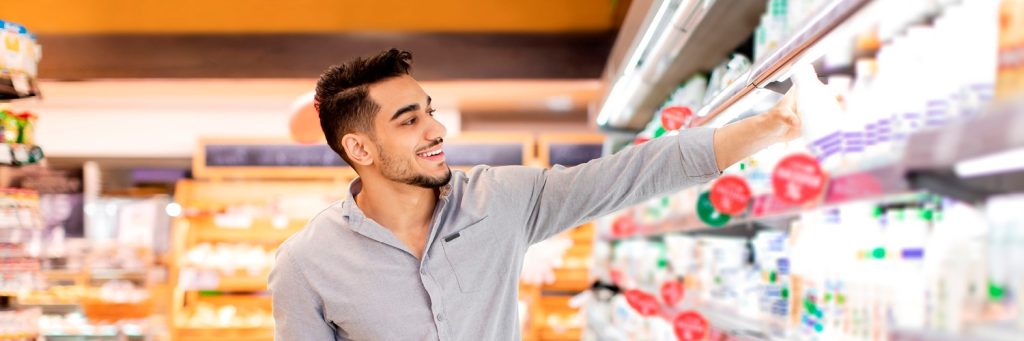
(261, 230)
(570, 279)
(251, 235)
(224, 334)
(243, 283)
(559, 306)
(109, 311)
(550, 334)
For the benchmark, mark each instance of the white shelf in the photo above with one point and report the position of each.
(938, 149)
(704, 40)
(726, 24)
(779, 61)
(992, 332)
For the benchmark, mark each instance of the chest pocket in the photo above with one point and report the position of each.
(476, 254)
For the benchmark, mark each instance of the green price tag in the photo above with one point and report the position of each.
(707, 212)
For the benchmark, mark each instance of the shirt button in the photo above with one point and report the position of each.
(440, 317)
(423, 271)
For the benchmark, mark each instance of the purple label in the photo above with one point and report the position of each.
(913, 253)
(937, 103)
(783, 264)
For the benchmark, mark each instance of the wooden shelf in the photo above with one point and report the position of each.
(242, 284)
(549, 334)
(570, 280)
(251, 235)
(224, 334)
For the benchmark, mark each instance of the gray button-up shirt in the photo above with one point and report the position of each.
(345, 277)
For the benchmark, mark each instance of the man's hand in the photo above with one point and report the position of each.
(739, 140)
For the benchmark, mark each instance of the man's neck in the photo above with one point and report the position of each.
(399, 207)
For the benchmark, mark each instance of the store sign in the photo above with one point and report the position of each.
(690, 325)
(571, 154)
(674, 118)
(798, 179)
(708, 214)
(672, 292)
(644, 303)
(730, 194)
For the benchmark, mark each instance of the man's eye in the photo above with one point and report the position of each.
(431, 112)
(409, 122)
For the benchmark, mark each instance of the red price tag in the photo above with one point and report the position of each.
(623, 226)
(643, 302)
(616, 276)
(672, 292)
(673, 118)
(730, 194)
(690, 325)
(798, 179)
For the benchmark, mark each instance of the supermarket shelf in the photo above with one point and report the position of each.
(224, 334)
(118, 274)
(98, 337)
(933, 157)
(570, 280)
(813, 31)
(994, 332)
(236, 284)
(724, 99)
(779, 61)
(55, 309)
(19, 154)
(259, 231)
(1003, 125)
(26, 88)
(698, 41)
(927, 154)
(550, 334)
(18, 234)
(735, 325)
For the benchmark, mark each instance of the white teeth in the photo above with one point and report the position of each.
(429, 154)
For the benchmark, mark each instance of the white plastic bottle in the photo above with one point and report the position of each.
(820, 113)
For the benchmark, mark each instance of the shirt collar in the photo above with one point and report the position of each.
(356, 217)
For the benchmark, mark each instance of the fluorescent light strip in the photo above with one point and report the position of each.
(615, 104)
(1001, 162)
(645, 40)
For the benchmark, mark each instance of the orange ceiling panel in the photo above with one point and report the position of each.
(305, 16)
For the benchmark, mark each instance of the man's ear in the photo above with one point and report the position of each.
(359, 148)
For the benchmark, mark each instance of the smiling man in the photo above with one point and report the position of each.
(420, 252)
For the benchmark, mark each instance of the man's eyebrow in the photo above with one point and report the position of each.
(405, 109)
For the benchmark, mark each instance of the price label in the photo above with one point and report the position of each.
(672, 292)
(708, 214)
(798, 179)
(690, 325)
(642, 302)
(623, 226)
(673, 118)
(730, 194)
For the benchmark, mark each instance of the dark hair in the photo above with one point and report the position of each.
(343, 97)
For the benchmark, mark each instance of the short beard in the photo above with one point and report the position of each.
(426, 181)
(390, 170)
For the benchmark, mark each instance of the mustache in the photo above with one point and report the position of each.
(436, 142)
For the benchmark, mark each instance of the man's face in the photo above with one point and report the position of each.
(408, 138)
